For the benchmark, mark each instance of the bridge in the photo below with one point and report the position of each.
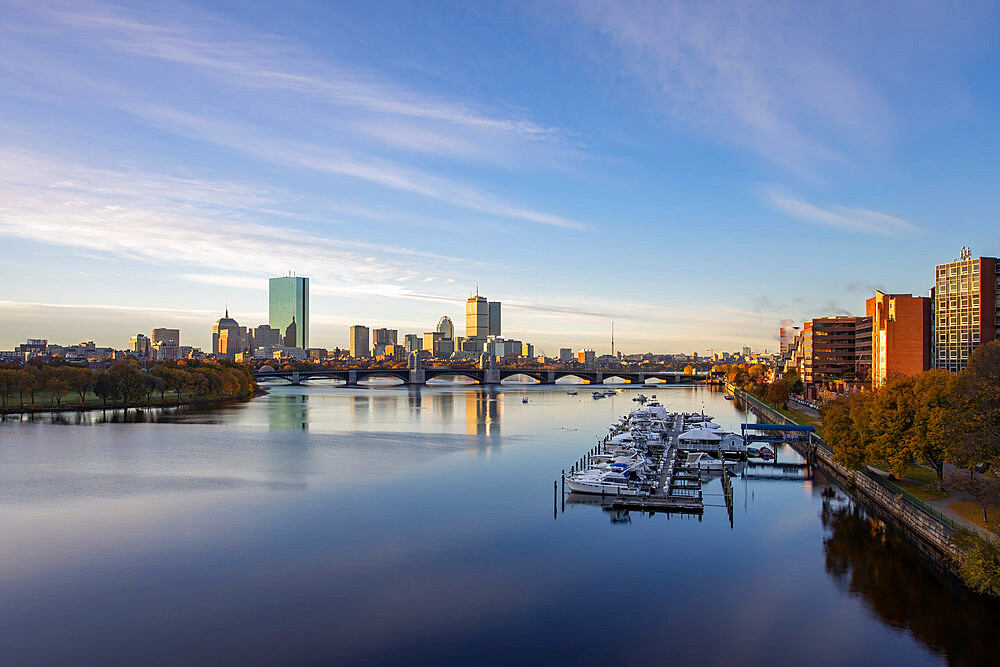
(486, 376)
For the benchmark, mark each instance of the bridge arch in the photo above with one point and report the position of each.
(471, 374)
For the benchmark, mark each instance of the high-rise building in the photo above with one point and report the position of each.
(232, 344)
(565, 354)
(359, 341)
(527, 350)
(477, 317)
(746, 351)
(288, 307)
(166, 337)
(384, 336)
(264, 336)
(139, 345)
(966, 309)
(901, 335)
(445, 326)
(412, 343)
(494, 311)
(586, 357)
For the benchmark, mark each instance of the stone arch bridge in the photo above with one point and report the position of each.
(486, 376)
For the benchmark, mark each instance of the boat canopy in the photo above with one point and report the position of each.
(700, 435)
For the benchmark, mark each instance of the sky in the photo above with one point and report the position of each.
(698, 173)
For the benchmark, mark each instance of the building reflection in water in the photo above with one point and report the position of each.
(482, 412)
(870, 562)
(288, 411)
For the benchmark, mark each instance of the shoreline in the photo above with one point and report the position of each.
(34, 410)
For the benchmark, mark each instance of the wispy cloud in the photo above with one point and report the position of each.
(845, 218)
(753, 74)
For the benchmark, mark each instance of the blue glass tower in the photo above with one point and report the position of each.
(289, 310)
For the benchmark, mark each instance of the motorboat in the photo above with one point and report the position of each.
(640, 398)
(598, 394)
(610, 482)
(702, 461)
(524, 399)
(730, 398)
(571, 392)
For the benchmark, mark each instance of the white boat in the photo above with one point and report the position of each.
(609, 482)
(702, 461)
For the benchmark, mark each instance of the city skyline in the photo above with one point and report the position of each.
(152, 172)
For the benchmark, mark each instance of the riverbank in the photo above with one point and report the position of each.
(142, 405)
(929, 528)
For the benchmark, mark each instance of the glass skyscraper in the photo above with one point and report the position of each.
(289, 303)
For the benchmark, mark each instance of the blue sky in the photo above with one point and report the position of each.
(696, 172)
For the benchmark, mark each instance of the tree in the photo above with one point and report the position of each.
(984, 488)
(104, 387)
(976, 409)
(689, 370)
(978, 561)
(55, 382)
(154, 383)
(9, 383)
(27, 382)
(79, 379)
(129, 383)
(777, 392)
(930, 436)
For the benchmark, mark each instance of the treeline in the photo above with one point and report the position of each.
(124, 383)
(753, 378)
(931, 419)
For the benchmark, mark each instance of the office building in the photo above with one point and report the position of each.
(359, 341)
(966, 309)
(504, 348)
(446, 327)
(477, 318)
(527, 350)
(586, 357)
(413, 342)
(264, 336)
(833, 349)
(139, 345)
(232, 344)
(494, 321)
(746, 353)
(565, 354)
(288, 311)
(166, 337)
(901, 335)
(384, 336)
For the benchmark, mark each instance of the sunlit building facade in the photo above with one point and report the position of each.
(966, 309)
(901, 335)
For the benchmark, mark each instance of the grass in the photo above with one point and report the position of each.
(974, 513)
(920, 490)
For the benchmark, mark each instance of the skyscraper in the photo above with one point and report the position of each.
(966, 311)
(359, 341)
(446, 328)
(477, 317)
(494, 310)
(289, 302)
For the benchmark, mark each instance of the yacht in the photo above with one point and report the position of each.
(702, 461)
(610, 482)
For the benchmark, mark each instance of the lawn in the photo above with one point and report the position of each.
(974, 513)
(920, 490)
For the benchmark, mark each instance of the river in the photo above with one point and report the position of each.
(417, 525)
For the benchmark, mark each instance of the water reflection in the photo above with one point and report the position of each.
(876, 566)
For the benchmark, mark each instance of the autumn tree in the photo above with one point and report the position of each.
(976, 409)
(79, 379)
(9, 383)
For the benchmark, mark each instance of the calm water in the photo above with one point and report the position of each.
(399, 525)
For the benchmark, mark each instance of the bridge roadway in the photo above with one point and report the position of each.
(487, 376)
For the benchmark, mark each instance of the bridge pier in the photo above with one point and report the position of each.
(417, 376)
(491, 376)
(550, 377)
(296, 379)
(352, 378)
